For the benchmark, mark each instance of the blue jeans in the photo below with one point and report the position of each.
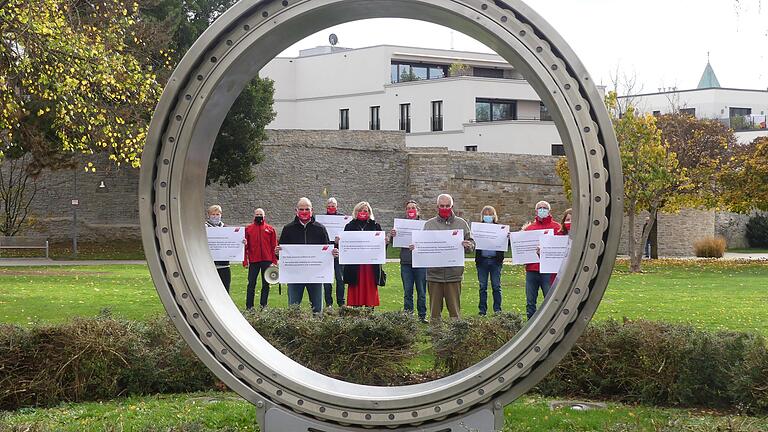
(328, 288)
(488, 266)
(533, 281)
(296, 294)
(414, 276)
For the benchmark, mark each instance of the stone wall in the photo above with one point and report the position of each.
(353, 166)
(733, 226)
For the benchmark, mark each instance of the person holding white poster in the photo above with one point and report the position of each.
(363, 279)
(444, 283)
(332, 212)
(222, 267)
(304, 230)
(534, 279)
(489, 256)
(411, 276)
(565, 228)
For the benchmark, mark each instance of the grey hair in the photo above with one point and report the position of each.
(450, 198)
(333, 200)
(304, 199)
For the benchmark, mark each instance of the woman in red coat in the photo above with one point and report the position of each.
(361, 279)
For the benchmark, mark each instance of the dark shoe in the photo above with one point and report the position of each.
(423, 320)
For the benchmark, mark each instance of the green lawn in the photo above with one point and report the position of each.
(226, 411)
(708, 294)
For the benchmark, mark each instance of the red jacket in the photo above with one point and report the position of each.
(540, 224)
(260, 243)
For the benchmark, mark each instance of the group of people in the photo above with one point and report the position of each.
(442, 284)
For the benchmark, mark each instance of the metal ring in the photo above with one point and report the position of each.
(188, 117)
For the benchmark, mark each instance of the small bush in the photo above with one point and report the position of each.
(757, 231)
(710, 247)
(357, 345)
(461, 343)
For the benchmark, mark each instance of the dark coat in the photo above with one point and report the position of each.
(352, 270)
(296, 233)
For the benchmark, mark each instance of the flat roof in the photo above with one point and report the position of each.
(693, 90)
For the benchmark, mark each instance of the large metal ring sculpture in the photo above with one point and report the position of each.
(289, 396)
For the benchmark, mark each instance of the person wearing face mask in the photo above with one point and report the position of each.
(362, 279)
(444, 283)
(260, 243)
(222, 267)
(489, 263)
(533, 279)
(412, 276)
(332, 208)
(304, 230)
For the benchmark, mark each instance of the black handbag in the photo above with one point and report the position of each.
(382, 279)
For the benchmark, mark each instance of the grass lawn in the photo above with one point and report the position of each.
(710, 295)
(226, 411)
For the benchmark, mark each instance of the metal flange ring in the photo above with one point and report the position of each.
(188, 117)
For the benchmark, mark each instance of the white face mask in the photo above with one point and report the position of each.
(542, 213)
(215, 219)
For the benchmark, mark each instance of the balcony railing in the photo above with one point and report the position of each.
(405, 124)
(437, 123)
(745, 123)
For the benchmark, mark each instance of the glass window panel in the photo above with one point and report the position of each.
(420, 72)
(436, 72)
(502, 111)
(395, 74)
(482, 111)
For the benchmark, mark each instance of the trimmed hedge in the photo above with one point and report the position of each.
(665, 364)
(357, 345)
(640, 362)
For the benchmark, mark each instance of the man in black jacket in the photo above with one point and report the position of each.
(304, 230)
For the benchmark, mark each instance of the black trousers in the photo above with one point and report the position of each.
(253, 273)
(226, 276)
(328, 288)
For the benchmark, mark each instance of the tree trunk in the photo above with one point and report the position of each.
(634, 258)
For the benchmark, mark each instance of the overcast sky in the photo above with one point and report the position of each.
(664, 43)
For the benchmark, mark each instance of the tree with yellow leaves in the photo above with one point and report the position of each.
(653, 178)
(71, 83)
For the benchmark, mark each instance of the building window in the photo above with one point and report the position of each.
(375, 121)
(437, 116)
(344, 119)
(405, 117)
(470, 148)
(657, 113)
(558, 150)
(688, 111)
(487, 72)
(544, 114)
(405, 72)
(495, 110)
(740, 118)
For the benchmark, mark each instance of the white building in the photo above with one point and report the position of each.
(484, 106)
(742, 110)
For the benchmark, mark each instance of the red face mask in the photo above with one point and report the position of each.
(304, 215)
(331, 210)
(363, 216)
(567, 226)
(444, 213)
(412, 213)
